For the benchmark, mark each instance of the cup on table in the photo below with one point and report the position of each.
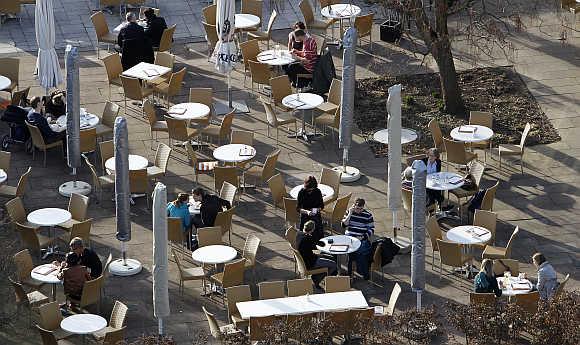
(277, 50)
(330, 241)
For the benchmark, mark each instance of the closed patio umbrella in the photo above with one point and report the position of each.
(418, 225)
(394, 164)
(160, 280)
(47, 67)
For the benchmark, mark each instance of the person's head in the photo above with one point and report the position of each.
(182, 198)
(433, 154)
(131, 17)
(37, 103)
(309, 227)
(198, 194)
(408, 174)
(149, 13)
(538, 259)
(310, 182)
(487, 267)
(77, 246)
(72, 259)
(299, 25)
(58, 99)
(299, 35)
(359, 205)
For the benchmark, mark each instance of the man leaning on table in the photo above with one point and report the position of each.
(359, 223)
(306, 245)
(88, 257)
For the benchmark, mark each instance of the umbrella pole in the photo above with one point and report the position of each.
(419, 292)
(230, 90)
(160, 325)
(395, 224)
(123, 253)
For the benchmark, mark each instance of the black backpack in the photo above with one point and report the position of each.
(388, 250)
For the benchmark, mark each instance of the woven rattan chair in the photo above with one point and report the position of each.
(91, 294)
(224, 221)
(299, 287)
(225, 174)
(435, 234)
(32, 240)
(167, 39)
(336, 284)
(17, 213)
(487, 220)
(228, 192)
(10, 68)
(334, 214)
(264, 35)
(234, 295)
(331, 178)
(173, 87)
(250, 50)
(49, 338)
(80, 229)
(155, 126)
(50, 318)
(364, 27)
(100, 182)
(162, 156)
(233, 275)
(500, 266)
(209, 13)
(482, 118)
(515, 150)
(528, 302)
(260, 73)
(139, 184)
(200, 166)
(311, 22)
(133, 90)
(492, 252)
(114, 69)
(275, 121)
(437, 135)
(270, 290)
(278, 190)
(302, 270)
(107, 122)
(333, 100)
(450, 254)
(77, 206)
(290, 214)
(264, 172)
(221, 131)
(188, 274)
(39, 143)
(280, 87)
(209, 236)
(211, 38)
(102, 31)
(456, 153)
(250, 252)
(24, 265)
(215, 329)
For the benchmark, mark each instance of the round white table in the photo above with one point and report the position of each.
(189, 111)
(469, 234)
(326, 190)
(136, 162)
(234, 153)
(83, 324)
(340, 12)
(48, 274)
(471, 133)
(49, 217)
(341, 245)
(4, 82)
(511, 286)
(444, 180)
(302, 101)
(272, 57)
(246, 21)
(88, 121)
(407, 136)
(3, 176)
(214, 254)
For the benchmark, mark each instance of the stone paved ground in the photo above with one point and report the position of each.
(543, 201)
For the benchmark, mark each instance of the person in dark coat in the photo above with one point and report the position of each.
(36, 118)
(155, 26)
(309, 205)
(433, 164)
(87, 256)
(211, 205)
(135, 45)
(306, 244)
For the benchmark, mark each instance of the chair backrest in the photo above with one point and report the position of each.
(109, 114)
(299, 287)
(528, 301)
(407, 197)
(91, 292)
(377, 263)
(176, 81)
(561, 286)
(235, 294)
(269, 168)
(436, 134)
(290, 214)
(476, 298)
(106, 267)
(393, 299)
(10, 68)
(177, 129)
(269, 290)
(508, 248)
(270, 112)
(118, 315)
(82, 230)
(164, 59)
(50, 316)
(250, 50)
(203, 95)
(167, 38)
(233, 273)
(209, 236)
(320, 44)
(174, 230)
(77, 206)
(162, 156)
(300, 264)
(18, 97)
(290, 236)
(242, 137)
(489, 197)
(228, 192)
(19, 293)
(15, 209)
(331, 178)
(107, 150)
(225, 174)
(486, 219)
(525, 133)
(100, 24)
(29, 237)
(307, 12)
(482, 118)
(88, 140)
(37, 139)
(500, 266)
(253, 7)
(209, 13)
(132, 88)
(47, 336)
(271, 21)
(180, 268)
(455, 151)
(150, 112)
(450, 253)
(364, 24)
(22, 183)
(224, 220)
(335, 91)
(280, 87)
(260, 72)
(476, 170)
(340, 207)
(277, 188)
(434, 231)
(214, 327)
(113, 66)
(24, 264)
(138, 181)
(211, 33)
(251, 249)
(325, 3)
(226, 125)
(336, 284)
(114, 336)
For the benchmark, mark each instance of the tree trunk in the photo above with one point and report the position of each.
(441, 51)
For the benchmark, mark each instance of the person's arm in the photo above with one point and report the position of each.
(541, 282)
(346, 219)
(320, 200)
(438, 165)
(371, 227)
(224, 203)
(291, 41)
(300, 203)
(496, 290)
(120, 37)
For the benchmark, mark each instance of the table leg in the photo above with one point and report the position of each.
(53, 292)
(302, 132)
(51, 249)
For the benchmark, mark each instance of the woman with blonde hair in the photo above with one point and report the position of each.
(485, 281)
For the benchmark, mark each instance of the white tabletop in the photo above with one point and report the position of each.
(50, 278)
(468, 234)
(326, 190)
(245, 20)
(188, 111)
(4, 82)
(136, 162)
(339, 11)
(353, 244)
(302, 101)
(276, 58)
(214, 254)
(194, 207)
(87, 120)
(49, 216)
(234, 153)
(3, 176)
(519, 283)
(146, 71)
(83, 323)
(443, 181)
(476, 133)
(303, 304)
(407, 136)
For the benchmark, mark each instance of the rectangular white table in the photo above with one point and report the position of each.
(303, 304)
(146, 71)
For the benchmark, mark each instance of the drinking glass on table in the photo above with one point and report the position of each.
(277, 50)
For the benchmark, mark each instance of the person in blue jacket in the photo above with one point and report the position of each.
(179, 208)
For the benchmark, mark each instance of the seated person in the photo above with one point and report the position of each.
(292, 42)
(55, 104)
(155, 27)
(547, 279)
(131, 30)
(36, 118)
(211, 205)
(307, 58)
(179, 208)
(433, 164)
(407, 179)
(88, 257)
(73, 276)
(306, 245)
(485, 281)
(359, 223)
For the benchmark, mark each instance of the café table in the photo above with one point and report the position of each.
(326, 190)
(471, 133)
(87, 120)
(136, 162)
(444, 181)
(189, 111)
(234, 153)
(4, 82)
(467, 235)
(407, 136)
(214, 255)
(273, 57)
(341, 245)
(511, 286)
(83, 324)
(146, 71)
(245, 21)
(48, 274)
(49, 217)
(302, 101)
(3, 176)
(317, 303)
(340, 12)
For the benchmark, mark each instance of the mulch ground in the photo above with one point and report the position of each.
(498, 90)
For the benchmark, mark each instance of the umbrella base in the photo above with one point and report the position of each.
(404, 244)
(68, 188)
(350, 174)
(128, 268)
(222, 107)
